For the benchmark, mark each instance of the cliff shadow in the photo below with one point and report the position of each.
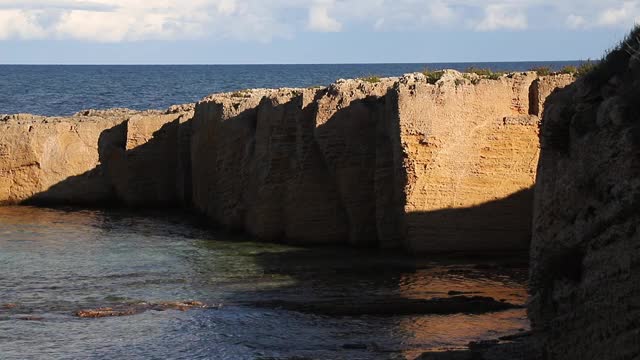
(355, 149)
(156, 173)
(496, 227)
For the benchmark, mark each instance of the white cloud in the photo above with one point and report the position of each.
(227, 7)
(501, 16)
(319, 19)
(576, 21)
(264, 21)
(21, 24)
(623, 14)
(440, 12)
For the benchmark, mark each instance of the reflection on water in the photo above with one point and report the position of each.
(55, 262)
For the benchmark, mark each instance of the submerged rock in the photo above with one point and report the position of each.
(134, 309)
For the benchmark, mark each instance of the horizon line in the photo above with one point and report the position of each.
(276, 64)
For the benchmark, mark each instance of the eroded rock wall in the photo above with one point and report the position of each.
(470, 150)
(294, 164)
(91, 158)
(585, 254)
(55, 159)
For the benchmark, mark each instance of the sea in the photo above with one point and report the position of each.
(255, 300)
(56, 90)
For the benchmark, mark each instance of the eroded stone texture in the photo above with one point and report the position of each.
(257, 167)
(585, 254)
(347, 119)
(94, 157)
(543, 87)
(148, 173)
(54, 159)
(469, 157)
(222, 147)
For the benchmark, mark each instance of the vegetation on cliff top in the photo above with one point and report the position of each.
(615, 61)
(372, 79)
(433, 76)
(596, 76)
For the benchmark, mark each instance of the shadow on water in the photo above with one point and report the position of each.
(279, 301)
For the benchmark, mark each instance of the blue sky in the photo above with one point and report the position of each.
(308, 31)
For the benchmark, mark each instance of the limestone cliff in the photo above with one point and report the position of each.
(292, 164)
(83, 159)
(470, 150)
(427, 165)
(585, 255)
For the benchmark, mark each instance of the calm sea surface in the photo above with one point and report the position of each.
(56, 262)
(64, 90)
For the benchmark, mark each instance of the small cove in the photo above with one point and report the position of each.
(263, 300)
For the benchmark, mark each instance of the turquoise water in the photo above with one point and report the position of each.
(56, 262)
(64, 90)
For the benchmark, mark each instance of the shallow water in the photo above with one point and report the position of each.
(56, 262)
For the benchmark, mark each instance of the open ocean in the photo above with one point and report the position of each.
(67, 89)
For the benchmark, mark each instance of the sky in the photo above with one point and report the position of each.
(309, 31)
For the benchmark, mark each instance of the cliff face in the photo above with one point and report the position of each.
(443, 166)
(38, 153)
(585, 256)
(91, 158)
(297, 164)
(470, 151)
(401, 162)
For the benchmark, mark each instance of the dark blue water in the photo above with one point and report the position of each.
(64, 90)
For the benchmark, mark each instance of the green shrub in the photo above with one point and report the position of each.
(614, 62)
(569, 69)
(460, 82)
(433, 76)
(474, 80)
(371, 79)
(478, 71)
(585, 68)
(542, 70)
(485, 73)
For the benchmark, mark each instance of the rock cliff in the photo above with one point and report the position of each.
(470, 152)
(92, 158)
(585, 254)
(409, 162)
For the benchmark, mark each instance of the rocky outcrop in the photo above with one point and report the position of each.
(400, 162)
(39, 154)
(585, 255)
(407, 162)
(94, 157)
(292, 164)
(469, 153)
